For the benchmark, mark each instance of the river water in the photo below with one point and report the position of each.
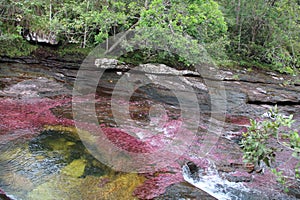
(44, 156)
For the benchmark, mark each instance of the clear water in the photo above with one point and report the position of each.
(33, 169)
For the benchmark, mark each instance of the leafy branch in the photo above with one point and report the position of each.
(259, 149)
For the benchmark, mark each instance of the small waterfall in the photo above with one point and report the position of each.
(209, 181)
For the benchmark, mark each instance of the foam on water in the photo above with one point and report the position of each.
(209, 181)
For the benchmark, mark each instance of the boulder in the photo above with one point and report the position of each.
(40, 37)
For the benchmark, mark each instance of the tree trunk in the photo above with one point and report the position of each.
(238, 9)
(84, 36)
(50, 11)
(238, 24)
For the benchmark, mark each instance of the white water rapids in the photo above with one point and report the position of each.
(213, 184)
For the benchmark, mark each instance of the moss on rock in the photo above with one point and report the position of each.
(59, 187)
(75, 168)
(120, 186)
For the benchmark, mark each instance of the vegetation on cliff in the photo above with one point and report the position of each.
(260, 33)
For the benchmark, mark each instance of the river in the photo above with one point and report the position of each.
(133, 137)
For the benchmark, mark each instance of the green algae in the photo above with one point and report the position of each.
(75, 168)
(118, 186)
(59, 187)
(65, 142)
(56, 165)
(62, 187)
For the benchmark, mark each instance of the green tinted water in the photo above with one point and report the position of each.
(56, 165)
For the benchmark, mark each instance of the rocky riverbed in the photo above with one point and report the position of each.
(39, 144)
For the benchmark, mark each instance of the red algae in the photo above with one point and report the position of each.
(158, 179)
(264, 181)
(150, 140)
(157, 184)
(126, 141)
(23, 118)
(29, 115)
(238, 120)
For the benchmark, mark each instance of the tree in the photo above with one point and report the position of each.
(202, 20)
(264, 31)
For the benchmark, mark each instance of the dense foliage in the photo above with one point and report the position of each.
(263, 32)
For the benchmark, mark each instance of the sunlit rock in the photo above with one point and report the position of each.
(40, 37)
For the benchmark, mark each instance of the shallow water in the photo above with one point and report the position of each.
(42, 157)
(50, 157)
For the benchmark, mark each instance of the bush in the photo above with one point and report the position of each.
(14, 45)
(257, 142)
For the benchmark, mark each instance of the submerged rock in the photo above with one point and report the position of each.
(58, 187)
(118, 186)
(75, 168)
(55, 165)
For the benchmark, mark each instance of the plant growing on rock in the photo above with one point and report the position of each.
(264, 139)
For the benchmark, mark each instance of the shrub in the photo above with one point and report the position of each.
(14, 45)
(258, 142)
